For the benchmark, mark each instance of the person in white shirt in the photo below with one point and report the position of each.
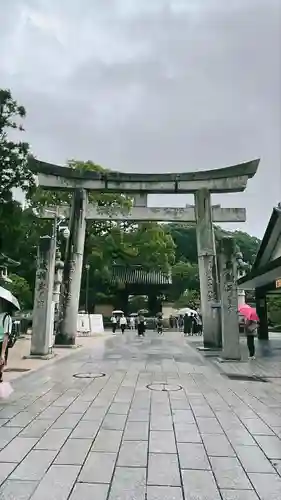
(5, 333)
(123, 323)
(132, 323)
(114, 323)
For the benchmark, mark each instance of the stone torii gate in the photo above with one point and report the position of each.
(202, 184)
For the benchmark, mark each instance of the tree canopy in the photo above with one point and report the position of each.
(14, 172)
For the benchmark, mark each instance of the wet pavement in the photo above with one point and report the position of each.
(152, 420)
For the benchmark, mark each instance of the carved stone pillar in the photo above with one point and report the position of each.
(229, 299)
(42, 324)
(208, 272)
(73, 271)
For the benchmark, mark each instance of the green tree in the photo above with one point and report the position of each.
(185, 277)
(14, 172)
(21, 289)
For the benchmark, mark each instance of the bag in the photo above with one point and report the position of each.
(12, 337)
(5, 390)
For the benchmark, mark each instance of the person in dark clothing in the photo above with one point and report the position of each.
(251, 331)
(141, 325)
(187, 324)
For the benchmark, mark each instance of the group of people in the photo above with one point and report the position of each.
(191, 324)
(132, 323)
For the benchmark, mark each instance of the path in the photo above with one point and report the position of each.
(112, 438)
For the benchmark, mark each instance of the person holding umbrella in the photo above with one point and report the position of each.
(251, 326)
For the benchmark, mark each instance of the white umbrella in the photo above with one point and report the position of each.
(9, 297)
(186, 310)
(117, 312)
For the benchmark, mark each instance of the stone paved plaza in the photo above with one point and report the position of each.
(113, 438)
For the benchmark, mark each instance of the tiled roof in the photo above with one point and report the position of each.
(139, 276)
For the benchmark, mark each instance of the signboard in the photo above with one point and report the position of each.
(83, 324)
(96, 324)
(89, 324)
(278, 283)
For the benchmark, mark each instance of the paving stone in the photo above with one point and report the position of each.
(136, 415)
(217, 445)
(20, 420)
(119, 408)
(257, 427)
(199, 485)
(78, 407)
(183, 416)
(128, 484)
(133, 454)
(163, 470)
(74, 452)
(240, 436)
(98, 468)
(209, 425)
(180, 404)
(115, 422)
(17, 449)
(17, 490)
(51, 413)
(267, 486)
(161, 423)
(164, 493)
(57, 483)
(229, 473)
(95, 413)
(162, 442)
(67, 421)
(136, 431)
(86, 429)
(202, 411)
(270, 445)
(53, 439)
(187, 433)
(89, 492)
(36, 428)
(34, 466)
(107, 440)
(161, 409)
(239, 495)
(64, 401)
(7, 434)
(10, 412)
(193, 456)
(5, 470)
(253, 459)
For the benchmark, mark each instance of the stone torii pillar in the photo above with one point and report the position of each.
(208, 272)
(229, 300)
(73, 270)
(42, 325)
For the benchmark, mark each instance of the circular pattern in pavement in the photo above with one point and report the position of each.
(89, 375)
(160, 386)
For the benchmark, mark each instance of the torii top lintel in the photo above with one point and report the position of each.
(223, 180)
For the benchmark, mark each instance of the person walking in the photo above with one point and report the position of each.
(132, 323)
(187, 324)
(5, 335)
(251, 331)
(141, 325)
(180, 323)
(123, 323)
(114, 323)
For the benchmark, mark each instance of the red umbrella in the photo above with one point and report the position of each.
(248, 312)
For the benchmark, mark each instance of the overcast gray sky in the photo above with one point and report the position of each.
(151, 85)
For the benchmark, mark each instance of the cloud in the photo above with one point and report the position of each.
(158, 85)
